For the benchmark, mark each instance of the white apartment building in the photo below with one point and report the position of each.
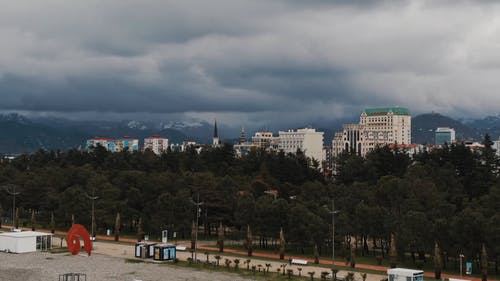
(377, 127)
(307, 140)
(496, 146)
(156, 144)
(265, 140)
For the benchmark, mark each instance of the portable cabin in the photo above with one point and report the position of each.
(403, 274)
(164, 252)
(144, 249)
(25, 241)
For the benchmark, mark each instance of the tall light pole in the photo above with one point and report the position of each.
(93, 198)
(198, 210)
(13, 193)
(333, 212)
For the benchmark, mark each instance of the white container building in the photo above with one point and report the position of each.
(25, 241)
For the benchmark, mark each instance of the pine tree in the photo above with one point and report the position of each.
(249, 241)
(393, 252)
(282, 244)
(117, 226)
(16, 219)
(140, 233)
(484, 264)
(33, 220)
(52, 223)
(437, 261)
(220, 240)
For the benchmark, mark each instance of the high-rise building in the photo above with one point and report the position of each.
(444, 135)
(156, 144)
(307, 140)
(377, 127)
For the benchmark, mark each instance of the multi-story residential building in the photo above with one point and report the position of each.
(156, 144)
(94, 142)
(377, 127)
(265, 140)
(307, 140)
(444, 135)
(181, 147)
(115, 145)
(125, 143)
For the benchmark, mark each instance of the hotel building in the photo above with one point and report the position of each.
(377, 127)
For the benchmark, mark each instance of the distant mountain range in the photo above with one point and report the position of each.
(19, 134)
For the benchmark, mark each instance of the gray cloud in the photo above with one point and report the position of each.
(256, 61)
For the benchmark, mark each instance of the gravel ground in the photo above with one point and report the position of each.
(47, 267)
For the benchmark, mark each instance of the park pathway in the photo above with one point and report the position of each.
(257, 254)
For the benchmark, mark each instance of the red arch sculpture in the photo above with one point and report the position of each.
(76, 232)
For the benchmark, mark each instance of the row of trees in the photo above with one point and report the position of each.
(447, 197)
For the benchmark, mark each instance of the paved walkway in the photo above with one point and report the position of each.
(257, 254)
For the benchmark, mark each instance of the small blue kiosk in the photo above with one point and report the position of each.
(164, 252)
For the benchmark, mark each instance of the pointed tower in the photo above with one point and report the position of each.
(243, 136)
(216, 140)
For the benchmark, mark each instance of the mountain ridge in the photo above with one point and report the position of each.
(21, 134)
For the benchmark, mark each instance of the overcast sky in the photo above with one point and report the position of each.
(253, 62)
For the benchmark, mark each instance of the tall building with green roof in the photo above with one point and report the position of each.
(377, 127)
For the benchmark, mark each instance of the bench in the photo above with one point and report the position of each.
(180, 248)
(299, 262)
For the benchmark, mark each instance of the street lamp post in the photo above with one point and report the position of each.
(198, 210)
(333, 212)
(93, 198)
(13, 193)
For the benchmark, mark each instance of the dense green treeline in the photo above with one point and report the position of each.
(449, 197)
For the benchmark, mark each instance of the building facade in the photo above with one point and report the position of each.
(307, 140)
(114, 145)
(156, 144)
(265, 140)
(496, 146)
(377, 127)
(444, 135)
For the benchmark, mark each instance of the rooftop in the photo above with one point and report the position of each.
(25, 234)
(384, 110)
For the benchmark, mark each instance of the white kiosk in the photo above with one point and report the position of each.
(403, 274)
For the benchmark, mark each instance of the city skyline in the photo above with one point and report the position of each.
(248, 62)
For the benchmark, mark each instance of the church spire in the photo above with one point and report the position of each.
(216, 141)
(216, 133)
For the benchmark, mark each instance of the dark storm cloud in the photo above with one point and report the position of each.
(249, 60)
